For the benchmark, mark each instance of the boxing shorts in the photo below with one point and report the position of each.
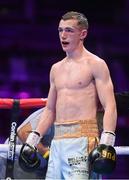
(70, 148)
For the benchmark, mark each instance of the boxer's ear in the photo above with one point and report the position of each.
(83, 34)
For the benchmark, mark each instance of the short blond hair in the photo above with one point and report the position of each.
(80, 17)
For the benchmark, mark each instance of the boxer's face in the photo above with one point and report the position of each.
(70, 34)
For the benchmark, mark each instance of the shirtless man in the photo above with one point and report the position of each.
(77, 84)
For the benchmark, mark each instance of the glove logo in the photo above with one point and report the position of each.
(108, 155)
(102, 159)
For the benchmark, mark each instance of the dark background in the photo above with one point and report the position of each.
(29, 45)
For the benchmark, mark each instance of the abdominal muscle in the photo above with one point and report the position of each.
(79, 104)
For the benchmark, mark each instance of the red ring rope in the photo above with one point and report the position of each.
(7, 103)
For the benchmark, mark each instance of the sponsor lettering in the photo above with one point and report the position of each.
(12, 141)
(77, 160)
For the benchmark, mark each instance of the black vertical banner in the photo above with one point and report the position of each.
(12, 140)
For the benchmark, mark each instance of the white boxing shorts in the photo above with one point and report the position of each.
(69, 151)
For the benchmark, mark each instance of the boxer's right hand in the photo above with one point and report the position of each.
(28, 158)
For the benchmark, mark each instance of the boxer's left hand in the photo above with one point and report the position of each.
(102, 159)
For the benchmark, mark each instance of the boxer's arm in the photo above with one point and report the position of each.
(46, 121)
(48, 115)
(102, 159)
(105, 91)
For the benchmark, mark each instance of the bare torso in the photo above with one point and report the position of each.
(76, 92)
(77, 82)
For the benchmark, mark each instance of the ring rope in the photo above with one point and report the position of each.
(120, 150)
(7, 103)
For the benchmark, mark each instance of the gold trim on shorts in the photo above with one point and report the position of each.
(75, 129)
(79, 128)
(92, 143)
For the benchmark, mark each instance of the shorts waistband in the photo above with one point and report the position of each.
(76, 129)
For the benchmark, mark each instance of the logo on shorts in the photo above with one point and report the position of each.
(77, 160)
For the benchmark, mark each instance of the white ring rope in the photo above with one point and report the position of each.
(4, 148)
(120, 150)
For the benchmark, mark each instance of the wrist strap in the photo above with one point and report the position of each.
(33, 138)
(110, 132)
(108, 138)
(37, 133)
